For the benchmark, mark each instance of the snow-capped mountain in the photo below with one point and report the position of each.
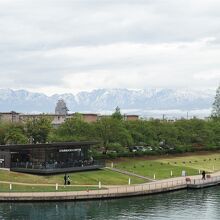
(143, 102)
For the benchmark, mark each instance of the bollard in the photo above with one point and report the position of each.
(10, 186)
(154, 176)
(100, 186)
(171, 173)
(129, 181)
(112, 164)
(56, 186)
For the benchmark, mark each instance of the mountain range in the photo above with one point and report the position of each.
(146, 102)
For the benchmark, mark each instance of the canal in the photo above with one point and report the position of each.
(200, 204)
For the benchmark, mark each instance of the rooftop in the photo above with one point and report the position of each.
(49, 145)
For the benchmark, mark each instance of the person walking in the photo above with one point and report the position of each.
(68, 180)
(203, 175)
(65, 179)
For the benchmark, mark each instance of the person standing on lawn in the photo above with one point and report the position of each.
(68, 180)
(65, 179)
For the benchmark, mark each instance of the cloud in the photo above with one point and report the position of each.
(141, 65)
(66, 46)
(208, 75)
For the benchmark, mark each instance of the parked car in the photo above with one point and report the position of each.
(137, 148)
(149, 148)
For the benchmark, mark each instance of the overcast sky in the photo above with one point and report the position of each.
(57, 46)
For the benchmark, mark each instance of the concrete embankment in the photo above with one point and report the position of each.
(114, 192)
(198, 183)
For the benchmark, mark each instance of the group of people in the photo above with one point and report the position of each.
(66, 179)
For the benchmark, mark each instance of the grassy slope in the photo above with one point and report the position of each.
(162, 167)
(202, 162)
(80, 178)
(149, 168)
(143, 166)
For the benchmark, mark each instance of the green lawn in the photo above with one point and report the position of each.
(201, 162)
(78, 178)
(162, 167)
(149, 168)
(21, 188)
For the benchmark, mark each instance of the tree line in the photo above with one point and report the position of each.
(117, 136)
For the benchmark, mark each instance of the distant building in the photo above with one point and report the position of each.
(125, 117)
(9, 116)
(90, 117)
(61, 108)
(131, 117)
(56, 119)
(60, 116)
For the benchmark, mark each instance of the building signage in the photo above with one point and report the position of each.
(69, 150)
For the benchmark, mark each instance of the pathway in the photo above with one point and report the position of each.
(54, 184)
(113, 192)
(129, 173)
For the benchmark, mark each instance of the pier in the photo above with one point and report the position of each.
(199, 183)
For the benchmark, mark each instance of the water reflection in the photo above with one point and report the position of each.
(184, 204)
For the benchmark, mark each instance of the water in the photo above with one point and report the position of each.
(185, 204)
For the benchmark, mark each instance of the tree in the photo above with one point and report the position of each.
(117, 114)
(111, 130)
(216, 105)
(73, 129)
(3, 128)
(38, 129)
(15, 134)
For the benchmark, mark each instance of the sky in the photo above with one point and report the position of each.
(62, 46)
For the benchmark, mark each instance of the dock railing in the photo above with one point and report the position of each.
(125, 189)
(207, 180)
(103, 191)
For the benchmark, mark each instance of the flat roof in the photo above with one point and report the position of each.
(89, 114)
(41, 115)
(9, 113)
(56, 145)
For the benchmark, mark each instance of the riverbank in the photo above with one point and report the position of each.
(140, 166)
(180, 204)
(113, 192)
(124, 177)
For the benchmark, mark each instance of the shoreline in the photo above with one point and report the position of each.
(160, 186)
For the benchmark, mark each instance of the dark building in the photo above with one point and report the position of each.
(48, 158)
